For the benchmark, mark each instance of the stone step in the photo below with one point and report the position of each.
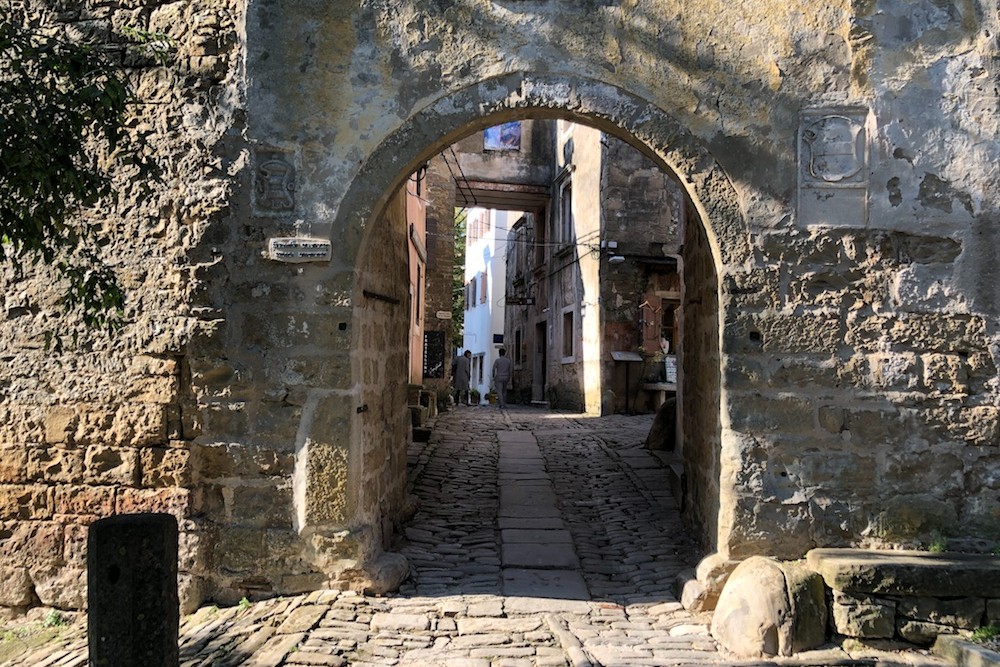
(908, 572)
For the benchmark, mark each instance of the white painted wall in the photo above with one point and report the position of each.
(485, 258)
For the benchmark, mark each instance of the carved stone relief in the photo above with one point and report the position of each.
(833, 168)
(274, 181)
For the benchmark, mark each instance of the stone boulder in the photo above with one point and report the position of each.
(386, 573)
(769, 608)
(663, 432)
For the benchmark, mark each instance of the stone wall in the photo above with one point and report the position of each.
(440, 186)
(700, 383)
(108, 426)
(642, 209)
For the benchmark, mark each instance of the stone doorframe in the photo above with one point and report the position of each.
(429, 131)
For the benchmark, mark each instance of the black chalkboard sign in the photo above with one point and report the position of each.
(434, 354)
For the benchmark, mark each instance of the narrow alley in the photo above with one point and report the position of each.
(542, 539)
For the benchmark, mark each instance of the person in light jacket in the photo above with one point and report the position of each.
(503, 369)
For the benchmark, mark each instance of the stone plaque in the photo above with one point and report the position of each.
(274, 181)
(833, 168)
(297, 249)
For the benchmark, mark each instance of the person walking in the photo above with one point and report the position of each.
(461, 375)
(503, 369)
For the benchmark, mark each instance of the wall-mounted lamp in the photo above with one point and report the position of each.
(615, 259)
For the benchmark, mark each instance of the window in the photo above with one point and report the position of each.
(482, 288)
(568, 333)
(518, 353)
(566, 213)
(540, 236)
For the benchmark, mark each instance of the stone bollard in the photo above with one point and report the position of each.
(133, 611)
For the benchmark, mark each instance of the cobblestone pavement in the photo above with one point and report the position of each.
(543, 539)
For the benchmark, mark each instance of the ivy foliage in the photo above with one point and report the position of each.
(63, 115)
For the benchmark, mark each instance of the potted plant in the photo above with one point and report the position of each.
(474, 396)
(492, 396)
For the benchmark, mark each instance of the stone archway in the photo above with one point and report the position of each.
(370, 473)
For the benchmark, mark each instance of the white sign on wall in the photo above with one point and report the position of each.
(299, 249)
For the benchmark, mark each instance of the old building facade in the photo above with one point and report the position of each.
(589, 274)
(840, 234)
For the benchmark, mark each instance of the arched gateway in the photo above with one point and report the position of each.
(376, 450)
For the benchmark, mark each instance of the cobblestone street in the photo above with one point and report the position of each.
(542, 539)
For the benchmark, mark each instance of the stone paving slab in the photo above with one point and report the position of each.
(531, 523)
(535, 536)
(555, 556)
(556, 584)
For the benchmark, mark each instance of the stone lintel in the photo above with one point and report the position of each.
(919, 573)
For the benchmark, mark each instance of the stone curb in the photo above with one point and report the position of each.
(965, 653)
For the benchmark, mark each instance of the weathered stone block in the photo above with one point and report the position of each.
(60, 587)
(31, 543)
(22, 502)
(238, 550)
(128, 425)
(329, 498)
(915, 472)
(13, 465)
(921, 632)
(21, 423)
(85, 500)
(866, 618)
(812, 372)
(809, 333)
(155, 501)
(276, 425)
(755, 413)
(156, 389)
(60, 424)
(914, 516)
(876, 426)
(744, 372)
(261, 506)
(332, 369)
(945, 373)
(294, 584)
(246, 462)
(16, 587)
(165, 467)
(225, 420)
(914, 573)
(56, 464)
(894, 372)
(786, 534)
(966, 613)
(831, 418)
(112, 465)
